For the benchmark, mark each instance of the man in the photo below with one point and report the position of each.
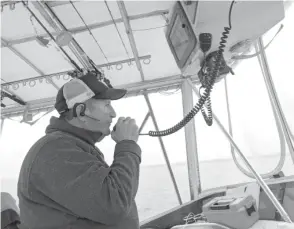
(64, 181)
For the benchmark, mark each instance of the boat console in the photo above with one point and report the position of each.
(261, 224)
(236, 207)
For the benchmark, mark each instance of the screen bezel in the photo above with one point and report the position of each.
(179, 12)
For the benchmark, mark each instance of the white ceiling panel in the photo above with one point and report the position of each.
(13, 68)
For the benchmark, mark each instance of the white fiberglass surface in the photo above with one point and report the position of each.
(18, 23)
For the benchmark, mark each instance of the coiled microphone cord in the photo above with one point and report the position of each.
(212, 75)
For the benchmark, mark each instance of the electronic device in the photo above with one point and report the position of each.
(189, 19)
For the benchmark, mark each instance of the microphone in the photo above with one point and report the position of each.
(92, 118)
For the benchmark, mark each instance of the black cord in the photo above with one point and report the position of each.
(212, 75)
(116, 28)
(89, 59)
(51, 36)
(89, 30)
(207, 117)
(158, 27)
(55, 16)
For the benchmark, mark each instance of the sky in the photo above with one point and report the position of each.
(252, 118)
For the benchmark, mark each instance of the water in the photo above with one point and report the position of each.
(156, 192)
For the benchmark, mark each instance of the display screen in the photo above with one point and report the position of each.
(179, 38)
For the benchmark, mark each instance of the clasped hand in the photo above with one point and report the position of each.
(125, 129)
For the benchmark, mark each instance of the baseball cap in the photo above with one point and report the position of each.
(79, 90)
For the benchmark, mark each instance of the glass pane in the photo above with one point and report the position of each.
(251, 115)
(280, 59)
(168, 111)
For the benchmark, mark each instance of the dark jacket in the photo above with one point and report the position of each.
(65, 183)
(9, 212)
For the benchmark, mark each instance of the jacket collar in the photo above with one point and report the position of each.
(60, 124)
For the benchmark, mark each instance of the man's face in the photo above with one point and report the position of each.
(103, 112)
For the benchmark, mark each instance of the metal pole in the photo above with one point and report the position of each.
(229, 113)
(26, 60)
(2, 124)
(64, 73)
(163, 149)
(260, 181)
(126, 20)
(73, 45)
(134, 89)
(191, 143)
(129, 31)
(144, 122)
(272, 91)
